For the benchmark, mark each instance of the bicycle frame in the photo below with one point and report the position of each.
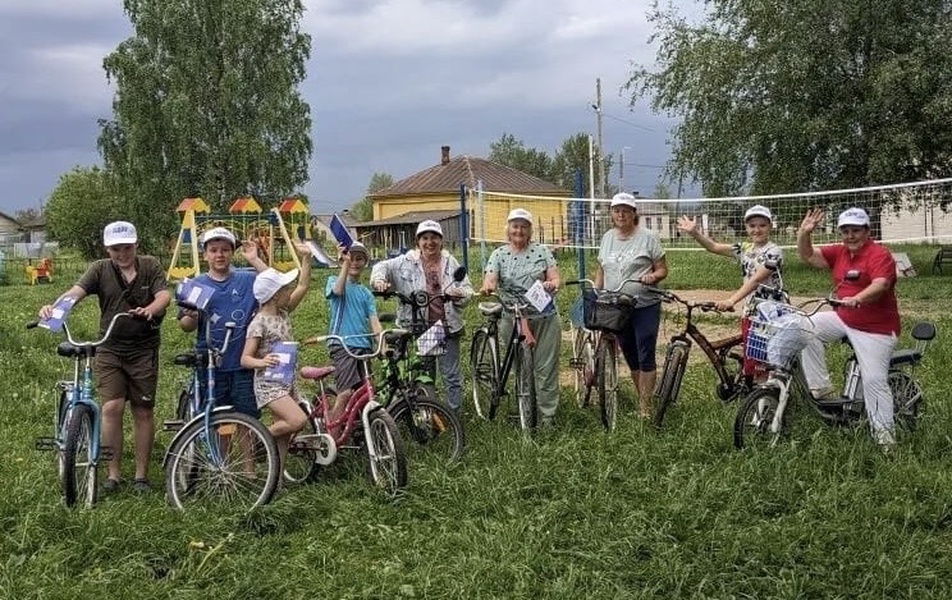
(521, 333)
(80, 391)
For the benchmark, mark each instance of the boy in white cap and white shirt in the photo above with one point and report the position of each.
(429, 267)
(127, 364)
(760, 261)
(231, 302)
(864, 275)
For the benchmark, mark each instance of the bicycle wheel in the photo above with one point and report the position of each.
(427, 426)
(244, 476)
(607, 370)
(300, 463)
(184, 401)
(754, 425)
(79, 463)
(388, 469)
(583, 364)
(675, 363)
(484, 369)
(525, 389)
(907, 399)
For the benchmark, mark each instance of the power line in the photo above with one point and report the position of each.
(632, 123)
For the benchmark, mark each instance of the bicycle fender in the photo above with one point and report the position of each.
(178, 434)
(370, 407)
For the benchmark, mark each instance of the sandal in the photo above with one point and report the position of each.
(110, 485)
(141, 485)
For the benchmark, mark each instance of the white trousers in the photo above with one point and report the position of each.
(873, 351)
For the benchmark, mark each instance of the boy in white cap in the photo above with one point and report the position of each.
(231, 302)
(864, 275)
(277, 297)
(430, 268)
(760, 262)
(127, 364)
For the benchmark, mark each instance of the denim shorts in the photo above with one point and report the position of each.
(235, 388)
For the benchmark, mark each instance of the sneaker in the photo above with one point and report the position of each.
(141, 485)
(884, 438)
(110, 485)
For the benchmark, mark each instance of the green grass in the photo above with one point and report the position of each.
(575, 513)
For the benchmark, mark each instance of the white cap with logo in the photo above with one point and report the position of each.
(758, 210)
(429, 226)
(119, 232)
(623, 199)
(519, 213)
(268, 282)
(855, 216)
(219, 233)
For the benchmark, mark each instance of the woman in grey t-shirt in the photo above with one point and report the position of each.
(629, 251)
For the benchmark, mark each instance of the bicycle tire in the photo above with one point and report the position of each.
(427, 426)
(192, 479)
(79, 476)
(484, 369)
(300, 462)
(583, 358)
(525, 389)
(607, 368)
(755, 418)
(675, 363)
(388, 470)
(907, 399)
(182, 412)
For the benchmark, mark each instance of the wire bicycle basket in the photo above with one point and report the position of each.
(776, 334)
(606, 310)
(432, 341)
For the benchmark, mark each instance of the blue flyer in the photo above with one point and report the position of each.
(60, 312)
(341, 232)
(194, 294)
(283, 372)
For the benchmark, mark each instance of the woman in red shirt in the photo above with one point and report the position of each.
(864, 274)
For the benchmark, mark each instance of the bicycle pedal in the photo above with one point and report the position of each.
(173, 425)
(45, 444)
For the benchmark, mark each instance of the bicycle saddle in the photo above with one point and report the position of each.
(70, 351)
(316, 373)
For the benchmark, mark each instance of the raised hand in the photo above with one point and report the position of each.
(810, 221)
(303, 249)
(687, 224)
(249, 249)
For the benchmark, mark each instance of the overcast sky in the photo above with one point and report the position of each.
(389, 82)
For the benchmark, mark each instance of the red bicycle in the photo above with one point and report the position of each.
(364, 424)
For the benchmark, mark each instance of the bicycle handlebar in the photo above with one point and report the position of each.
(343, 341)
(592, 283)
(513, 307)
(100, 342)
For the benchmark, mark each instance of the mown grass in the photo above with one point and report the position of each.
(575, 513)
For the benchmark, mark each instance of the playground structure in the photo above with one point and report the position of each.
(40, 272)
(272, 231)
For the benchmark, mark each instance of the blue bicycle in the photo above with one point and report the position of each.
(218, 457)
(78, 421)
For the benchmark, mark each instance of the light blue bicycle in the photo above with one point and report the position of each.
(78, 421)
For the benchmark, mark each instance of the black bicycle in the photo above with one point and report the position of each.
(490, 375)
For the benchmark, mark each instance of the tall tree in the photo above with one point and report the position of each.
(207, 104)
(817, 94)
(512, 152)
(363, 209)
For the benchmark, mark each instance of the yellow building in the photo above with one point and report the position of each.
(435, 193)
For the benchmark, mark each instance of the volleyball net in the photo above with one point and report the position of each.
(903, 213)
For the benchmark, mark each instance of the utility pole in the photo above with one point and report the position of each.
(601, 148)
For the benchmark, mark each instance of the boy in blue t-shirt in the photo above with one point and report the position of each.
(353, 312)
(232, 301)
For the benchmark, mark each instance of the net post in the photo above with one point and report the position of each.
(464, 225)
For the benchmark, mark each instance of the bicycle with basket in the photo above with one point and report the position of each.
(777, 336)
(407, 388)
(597, 317)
